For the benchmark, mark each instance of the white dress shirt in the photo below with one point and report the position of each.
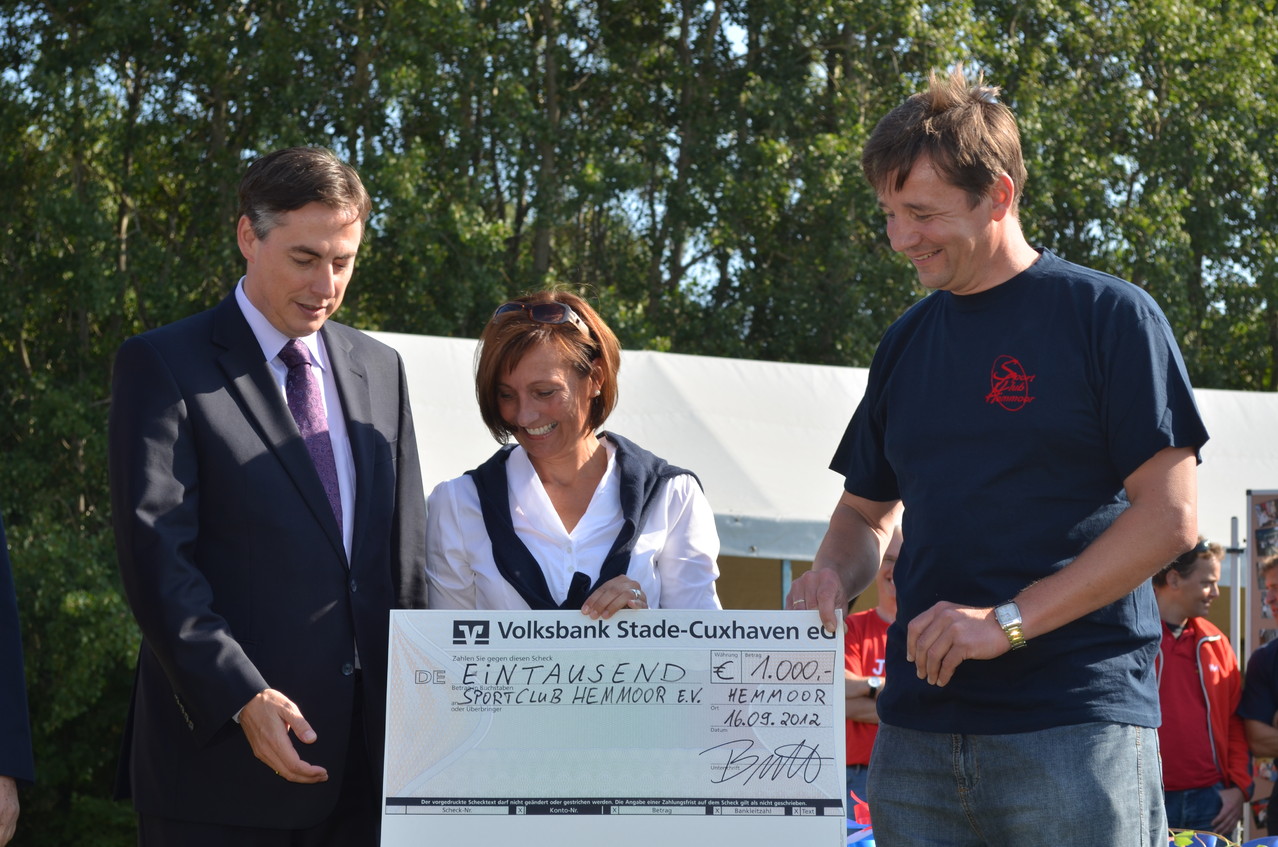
(272, 342)
(673, 559)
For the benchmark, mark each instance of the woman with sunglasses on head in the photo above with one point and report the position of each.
(568, 517)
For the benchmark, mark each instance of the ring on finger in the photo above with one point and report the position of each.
(638, 594)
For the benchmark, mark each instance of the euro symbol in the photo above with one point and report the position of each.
(721, 670)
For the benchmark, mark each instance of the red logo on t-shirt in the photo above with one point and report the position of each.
(1009, 384)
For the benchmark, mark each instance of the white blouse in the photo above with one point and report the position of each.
(673, 560)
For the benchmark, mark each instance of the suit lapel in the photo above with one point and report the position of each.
(249, 377)
(357, 408)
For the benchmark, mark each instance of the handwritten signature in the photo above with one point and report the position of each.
(789, 761)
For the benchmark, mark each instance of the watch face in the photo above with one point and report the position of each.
(1007, 614)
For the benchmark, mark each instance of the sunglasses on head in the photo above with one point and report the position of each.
(545, 313)
(1202, 548)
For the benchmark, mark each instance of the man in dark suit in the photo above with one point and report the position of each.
(268, 511)
(16, 764)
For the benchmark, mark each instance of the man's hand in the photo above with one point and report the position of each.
(266, 721)
(946, 635)
(848, 558)
(821, 590)
(1232, 803)
(1160, 521)
(8, 809)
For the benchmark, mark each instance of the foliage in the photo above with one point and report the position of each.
(692, 165)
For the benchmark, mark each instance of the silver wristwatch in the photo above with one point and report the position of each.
(1008, 616)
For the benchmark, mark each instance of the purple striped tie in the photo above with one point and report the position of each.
(307, 405)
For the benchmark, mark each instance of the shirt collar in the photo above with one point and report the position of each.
(270, 339)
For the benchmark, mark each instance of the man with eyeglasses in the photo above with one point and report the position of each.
(1206, 769)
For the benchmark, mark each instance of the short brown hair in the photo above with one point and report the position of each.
(505, 341)
(960, 126)
(294, 177)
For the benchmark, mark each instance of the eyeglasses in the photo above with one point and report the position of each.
(545, 313)
(1201, 547)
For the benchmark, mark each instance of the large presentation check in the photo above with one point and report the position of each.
(655, 727)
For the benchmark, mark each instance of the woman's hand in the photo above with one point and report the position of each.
(620, 592)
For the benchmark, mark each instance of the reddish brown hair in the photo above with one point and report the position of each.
(508, 338)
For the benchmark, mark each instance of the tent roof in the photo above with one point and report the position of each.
(760, 436)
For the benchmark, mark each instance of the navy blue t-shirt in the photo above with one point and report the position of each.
(1006, 421)
(1260, 686)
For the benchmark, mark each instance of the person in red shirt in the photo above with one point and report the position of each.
(864, 649)
(1206, 769)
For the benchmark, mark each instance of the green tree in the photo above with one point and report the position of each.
(1149, 141)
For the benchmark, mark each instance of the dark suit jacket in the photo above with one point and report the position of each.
(234, 568)
(15, 728)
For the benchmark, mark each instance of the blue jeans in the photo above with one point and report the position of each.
(1092, 783)
(1193, 808)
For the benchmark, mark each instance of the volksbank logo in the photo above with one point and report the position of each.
(470, 633)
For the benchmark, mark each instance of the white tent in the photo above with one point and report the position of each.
(760, 436)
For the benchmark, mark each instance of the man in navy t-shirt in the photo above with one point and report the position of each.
(1035, 420)
(1259, 705)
